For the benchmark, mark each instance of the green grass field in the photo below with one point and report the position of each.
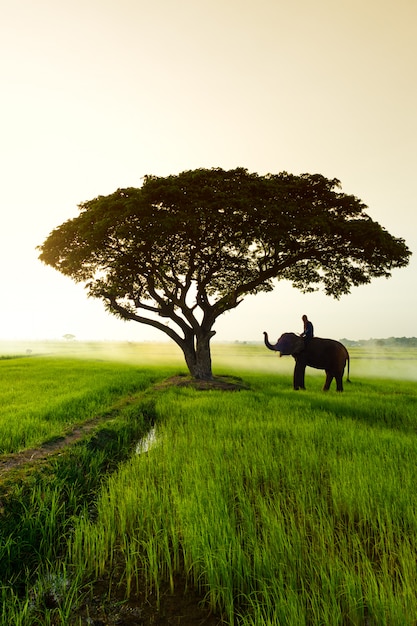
(272, 506)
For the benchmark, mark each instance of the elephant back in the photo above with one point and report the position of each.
(326, 354)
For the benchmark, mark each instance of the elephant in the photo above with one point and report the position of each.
(322, 354)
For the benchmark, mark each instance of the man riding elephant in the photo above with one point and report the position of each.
(308, 332)
(323, 354)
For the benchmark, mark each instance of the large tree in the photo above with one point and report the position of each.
(190, 247)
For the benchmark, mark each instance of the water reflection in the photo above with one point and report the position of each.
(146, 442)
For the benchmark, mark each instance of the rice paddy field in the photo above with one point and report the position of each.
(176, 505)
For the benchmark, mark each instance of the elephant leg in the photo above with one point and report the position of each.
(329, 378)
(339, 382)
(299, 374)
(295, 382)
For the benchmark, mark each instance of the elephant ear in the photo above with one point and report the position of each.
(298, 345)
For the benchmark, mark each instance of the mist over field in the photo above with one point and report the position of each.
(371, 360)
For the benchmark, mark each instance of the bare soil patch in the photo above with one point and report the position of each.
(219, 383)
(184, 607)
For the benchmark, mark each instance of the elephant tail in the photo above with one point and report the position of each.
(348, 371)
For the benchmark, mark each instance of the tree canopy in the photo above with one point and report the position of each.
(189, 247)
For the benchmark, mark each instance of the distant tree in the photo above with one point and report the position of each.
(189, 247)
(69, 337)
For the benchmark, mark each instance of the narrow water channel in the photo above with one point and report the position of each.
(146, 442)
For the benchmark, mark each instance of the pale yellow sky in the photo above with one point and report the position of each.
(97, 93)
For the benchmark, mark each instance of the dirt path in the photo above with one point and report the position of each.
(12, 461)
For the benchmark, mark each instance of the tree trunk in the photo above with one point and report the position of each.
(198, 355)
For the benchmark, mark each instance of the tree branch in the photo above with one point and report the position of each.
(129, 315)
(167, 307)
(230, 300)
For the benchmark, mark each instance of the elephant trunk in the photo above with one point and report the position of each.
(270, 346)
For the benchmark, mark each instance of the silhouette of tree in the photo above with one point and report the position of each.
(187, 248)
